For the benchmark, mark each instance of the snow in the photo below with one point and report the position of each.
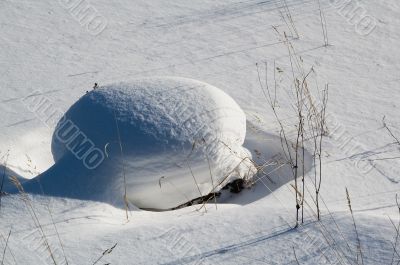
(182, 139)
(47, 54)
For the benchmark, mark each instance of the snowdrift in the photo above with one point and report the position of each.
(162, 141)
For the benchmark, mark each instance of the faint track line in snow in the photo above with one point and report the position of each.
(32, 95)
(253, 28)
(231, 35)
(84, 73)
(365, 154)
(223, 12)
(238, 12)
(228, 248)
(19, 122)
(218, 56)
(348, 145)
(310, 245)
(213, 57)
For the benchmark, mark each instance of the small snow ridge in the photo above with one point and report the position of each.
(164, 141)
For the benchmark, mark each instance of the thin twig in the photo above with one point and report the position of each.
(5, 248)
(390, 131)
(123, 167)
(295, 256)
(355, 228)
(397, 232)
(323, 24)
(54, 224)
(3, 177)
(34, 216)
(105, 252)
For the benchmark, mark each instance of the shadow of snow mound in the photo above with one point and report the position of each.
(274, 169)
(162, 141)
(5, 178)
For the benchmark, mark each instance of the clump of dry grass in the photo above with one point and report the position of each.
(310, 124)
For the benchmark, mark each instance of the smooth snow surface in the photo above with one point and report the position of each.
(180, 139)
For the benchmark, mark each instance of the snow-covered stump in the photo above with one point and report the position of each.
(164, 140)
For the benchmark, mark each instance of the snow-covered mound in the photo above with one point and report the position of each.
(163, 141)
